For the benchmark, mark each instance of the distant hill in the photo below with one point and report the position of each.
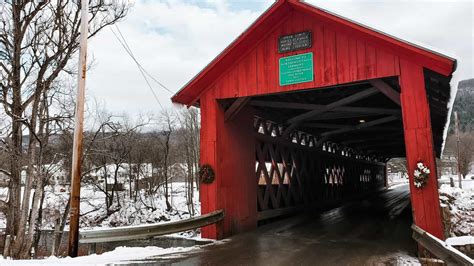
(464, 105)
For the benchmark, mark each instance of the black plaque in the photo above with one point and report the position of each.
(294, 42)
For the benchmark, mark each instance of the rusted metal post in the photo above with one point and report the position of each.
(73, 244)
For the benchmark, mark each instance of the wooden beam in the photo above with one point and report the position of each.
(295, 121)
(309, 106)
(387, 90)
(361, 126)
(234, 109)
(380, 144)
(323, 125)
(332, 116)
(350, 99)
(321, 141)
(379, 137)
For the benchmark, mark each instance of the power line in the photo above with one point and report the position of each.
(134, 58)
(143, 72)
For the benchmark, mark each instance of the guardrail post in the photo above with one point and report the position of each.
(6, 248)
(55, 248)
(92, 248)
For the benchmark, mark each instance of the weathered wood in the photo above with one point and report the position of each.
(323, 125)
(348, 100)
(388, 91)
(295, 121)
(440, 249)
(332, 116)
(234, 109)
(375, 138)
(264, 215)
(361, 126)
(76, 161)
(419, 147)
(307, 106)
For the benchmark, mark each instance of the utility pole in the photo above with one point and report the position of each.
(73, 244)
(456, 130)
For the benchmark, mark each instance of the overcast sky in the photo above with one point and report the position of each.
(175, 39)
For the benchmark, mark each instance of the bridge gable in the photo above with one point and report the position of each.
(343, 52)
(337, 57)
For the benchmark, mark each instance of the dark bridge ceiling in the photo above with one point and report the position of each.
(372, 123)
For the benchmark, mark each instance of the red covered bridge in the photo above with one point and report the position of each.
(305, 108)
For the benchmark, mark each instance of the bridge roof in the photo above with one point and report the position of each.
(191, 92)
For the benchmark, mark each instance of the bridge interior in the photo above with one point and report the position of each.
(321, 147)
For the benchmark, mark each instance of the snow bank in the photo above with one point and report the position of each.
(460, 241)
(119, 255)
(461, 207)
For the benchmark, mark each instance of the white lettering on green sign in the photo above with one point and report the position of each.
(296, 69)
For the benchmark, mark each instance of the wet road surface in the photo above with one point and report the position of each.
(359, 233)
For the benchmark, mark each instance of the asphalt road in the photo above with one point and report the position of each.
(366, 232)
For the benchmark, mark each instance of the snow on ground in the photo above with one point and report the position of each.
(120, 255)
(396, 259)
(144, 209)
(461, 207)
(460, 240)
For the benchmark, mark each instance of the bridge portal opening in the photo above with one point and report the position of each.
(318, 148)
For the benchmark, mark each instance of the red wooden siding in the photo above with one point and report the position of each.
(419, 147)
(234, 188)
(208, 193)
(338, 58)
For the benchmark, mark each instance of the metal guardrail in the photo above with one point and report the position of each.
(439, 248)
(148, 231)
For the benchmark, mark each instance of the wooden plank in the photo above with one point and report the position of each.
(419, 146)
(330, 63)
(382, 137)
(348, 100)
(387, 90)
(236, 186)
(361, 69)
(385, 63)
(207, 156)
(439, 248)
(295, 121)
(371, 61)
(361, 125)
(342, 52)
(318, 54)
(308, 106)
(246, 74)
(234, 109)
(264, 215)
(352, 43)
(324, 125)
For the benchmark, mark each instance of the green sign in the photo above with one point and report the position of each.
(296, 69)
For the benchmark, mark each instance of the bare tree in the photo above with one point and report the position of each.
(168, 128)
(37, 41)
(189, 146)
(465, 157)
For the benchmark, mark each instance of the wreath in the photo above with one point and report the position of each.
(206, 174)
(421, 175)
